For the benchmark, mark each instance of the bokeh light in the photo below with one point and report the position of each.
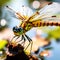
(3, 22)
(36, 4)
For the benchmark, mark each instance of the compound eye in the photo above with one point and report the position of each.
(15, 29)
(20, 29)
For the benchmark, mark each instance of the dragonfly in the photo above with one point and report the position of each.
(37, 19)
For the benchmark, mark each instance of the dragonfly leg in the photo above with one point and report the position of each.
(30, 42)
(24, 40)
(20, 39)
(17, 37)
(13, 38)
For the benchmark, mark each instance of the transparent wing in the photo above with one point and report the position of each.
(50, 10)
(23, 14)
(26, 12)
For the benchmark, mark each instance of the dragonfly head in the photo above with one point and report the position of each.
(18, 30)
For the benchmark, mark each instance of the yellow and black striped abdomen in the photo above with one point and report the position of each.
(38, 23)
(44, 23)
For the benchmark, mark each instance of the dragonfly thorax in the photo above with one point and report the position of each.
(18, 30)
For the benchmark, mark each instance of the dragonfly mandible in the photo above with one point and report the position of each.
(35, 20)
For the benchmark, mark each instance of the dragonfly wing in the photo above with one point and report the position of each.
(26, 11)
(23, 13)
(48, 11)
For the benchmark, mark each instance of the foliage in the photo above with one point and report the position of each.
(53, 32)
(2, 44)
(3, 2)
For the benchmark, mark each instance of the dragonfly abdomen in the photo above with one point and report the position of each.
(45, 23)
